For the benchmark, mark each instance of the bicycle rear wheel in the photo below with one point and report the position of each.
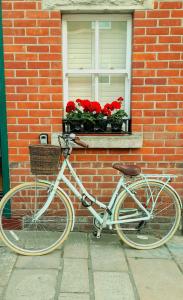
(19, 229)
(162, 225)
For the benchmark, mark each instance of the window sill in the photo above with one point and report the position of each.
(108, 141)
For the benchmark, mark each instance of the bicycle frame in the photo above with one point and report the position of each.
(107, 219)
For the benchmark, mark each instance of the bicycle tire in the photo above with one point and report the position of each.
(18, 228)
(156, 231)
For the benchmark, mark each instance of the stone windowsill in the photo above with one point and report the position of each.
(108, 141)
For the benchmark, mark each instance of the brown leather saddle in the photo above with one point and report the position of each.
(130, 170)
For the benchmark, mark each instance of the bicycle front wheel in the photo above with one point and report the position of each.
(24, 233)
(165, 211)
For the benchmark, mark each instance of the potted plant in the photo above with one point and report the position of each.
(73, 116)
(89, 116)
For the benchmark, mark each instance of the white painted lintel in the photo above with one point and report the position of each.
(94, 6)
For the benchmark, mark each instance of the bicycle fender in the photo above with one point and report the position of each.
(68, 199)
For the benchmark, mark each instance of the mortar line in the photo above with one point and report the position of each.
(90, 271)
(59, 276)
(173, 258)
(134, 287)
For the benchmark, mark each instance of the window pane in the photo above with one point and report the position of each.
(111, 87)
(112, 45)
(81, 39)
(80, 87)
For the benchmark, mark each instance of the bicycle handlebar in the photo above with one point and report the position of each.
(74, 138)
(80, 143)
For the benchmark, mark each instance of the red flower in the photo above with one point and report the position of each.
(120, 99)
(86, 104)
(79, 101)
(107, 106)
(115, 105)
(70, 106)
(95, 107)
(106, 112)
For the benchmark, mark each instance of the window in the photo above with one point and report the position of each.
(97, 57)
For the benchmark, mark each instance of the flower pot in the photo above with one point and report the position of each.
(88, 126)
(75, 126)
(116, 126)
(101, 125)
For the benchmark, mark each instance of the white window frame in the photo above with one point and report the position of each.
(125, 72)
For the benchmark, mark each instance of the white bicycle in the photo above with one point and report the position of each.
(37, 217)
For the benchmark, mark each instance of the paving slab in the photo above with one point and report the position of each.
(7, 262)
(52, 260)
(1, 292)
(157, 279)
(113, 286)
(161, 252)
(109, 257)
(175, 245)
(107, 239)
(73, 296)
(28, 285)
(76, 245)
(75, 276)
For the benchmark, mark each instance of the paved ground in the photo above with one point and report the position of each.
(90, 269)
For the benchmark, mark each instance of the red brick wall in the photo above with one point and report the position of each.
(33, 65)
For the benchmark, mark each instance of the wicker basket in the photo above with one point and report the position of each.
(44, 159)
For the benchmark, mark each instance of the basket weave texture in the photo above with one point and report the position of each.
(44, 159)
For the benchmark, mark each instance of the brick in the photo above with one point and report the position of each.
(175, 97)
(176, 48)
(145, 40)
(177, 81)
(37, 14)
(138, 48)
(167, 89)
(170, 5)
(156, 65)
(158, 14)
(37, 49)
(177, 13)
(24, 23)
(25, 56)
(143, 56)
(157, 48)
(38, 65)
(156, 81)
(157, 31)
(25, 40)
(170, 22)
(37, 31)
(170, 39)
(145, 23)
(166, 105)
(169, 56)
(15, 65)
(176, 64)
(24, 5)
(14, 14)
(49, 23)
(139, 31)
(26, 73)
(176, 31)
(167, 73)
(50, 57)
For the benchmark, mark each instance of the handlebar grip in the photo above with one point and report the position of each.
(80, 143)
